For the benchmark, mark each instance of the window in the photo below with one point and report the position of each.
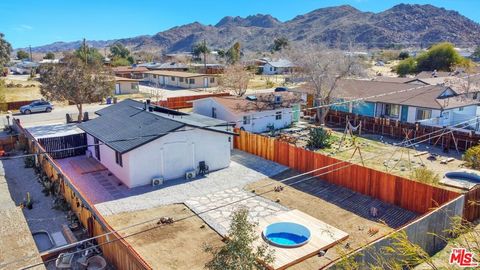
(96, 142)
(212, 80)
(392, 110)
(133, 86)
(154, 76)
(246, 120)
(278, 115)
(460, 109)
(423, 114)
(180, 79)
(214, 112)
(118, 158)
(191, 81)
(172, 79)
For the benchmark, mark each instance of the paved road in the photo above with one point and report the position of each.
(56, 116)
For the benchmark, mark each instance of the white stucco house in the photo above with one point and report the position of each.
(281, 66)
(138, 142)
(253, 113)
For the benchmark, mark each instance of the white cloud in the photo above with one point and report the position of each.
(26, 27)
(23, 28)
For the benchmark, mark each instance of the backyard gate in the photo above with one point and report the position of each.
(65, 146)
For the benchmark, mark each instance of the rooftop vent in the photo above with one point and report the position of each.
(251, 98)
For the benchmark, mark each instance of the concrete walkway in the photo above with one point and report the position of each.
(216, 209)
(244, 168)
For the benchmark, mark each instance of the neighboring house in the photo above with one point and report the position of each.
(429, 104)
(281, 66)
(131, 72)
(24, 67)
(208, 68)
(254, 113)
(180, 79)
(126, 86)
(171, 66)
(138, 142)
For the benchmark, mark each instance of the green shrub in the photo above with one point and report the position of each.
(472, 157)
(425, 175)
(319, 138)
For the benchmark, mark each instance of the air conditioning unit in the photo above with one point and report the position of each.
(190, 174)
(157, 181)
(88, 153)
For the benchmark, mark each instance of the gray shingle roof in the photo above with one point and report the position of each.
(126, 125)
(124, 128)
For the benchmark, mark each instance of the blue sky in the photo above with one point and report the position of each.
(39, 22)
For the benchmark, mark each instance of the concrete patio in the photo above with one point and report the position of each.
(110, 196)
(220, 206)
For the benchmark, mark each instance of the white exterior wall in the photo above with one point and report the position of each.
(259, 120)
(204, 107)
(169, 156)
(107, 158)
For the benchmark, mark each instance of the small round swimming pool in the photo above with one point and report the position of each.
(464, 175)
(286, 234)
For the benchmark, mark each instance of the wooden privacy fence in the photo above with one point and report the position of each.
(75, 144)
(114, 248)
(14, 105)
(471, 212)
(397, 129)
(405, 193)
(7, 143)
(175, 103)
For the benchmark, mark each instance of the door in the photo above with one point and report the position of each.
(177, 160)
(404, 114)
(205, 82)
(117, 89)
(296, 113)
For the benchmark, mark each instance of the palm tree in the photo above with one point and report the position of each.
(201, 48)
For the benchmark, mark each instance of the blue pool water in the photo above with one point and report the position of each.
(286, 234)
(287, 239)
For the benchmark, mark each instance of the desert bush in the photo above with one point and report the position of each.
(319, 138)
(425, 175)
(472, 157)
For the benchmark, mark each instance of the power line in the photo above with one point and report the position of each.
(216, 208)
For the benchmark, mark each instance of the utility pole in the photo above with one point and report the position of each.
(85, 50)
(30, 48)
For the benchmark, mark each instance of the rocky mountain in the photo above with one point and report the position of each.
(341, 26)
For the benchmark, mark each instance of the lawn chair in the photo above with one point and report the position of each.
(203, 168)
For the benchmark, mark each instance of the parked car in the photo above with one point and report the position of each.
(281, 89)
(37, 106)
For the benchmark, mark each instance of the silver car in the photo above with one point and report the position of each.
(37, 106)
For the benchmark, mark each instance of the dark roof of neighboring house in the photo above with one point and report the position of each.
(264, 102)
(126, 125)
(426, 96)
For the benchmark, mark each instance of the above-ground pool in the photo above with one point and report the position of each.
(286, 234)
(462, 178)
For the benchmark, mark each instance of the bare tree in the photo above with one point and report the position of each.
(235, 79)
(321, 69)
(76, 82)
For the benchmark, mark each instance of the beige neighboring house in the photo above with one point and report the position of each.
(126, 86)
(180, 79)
